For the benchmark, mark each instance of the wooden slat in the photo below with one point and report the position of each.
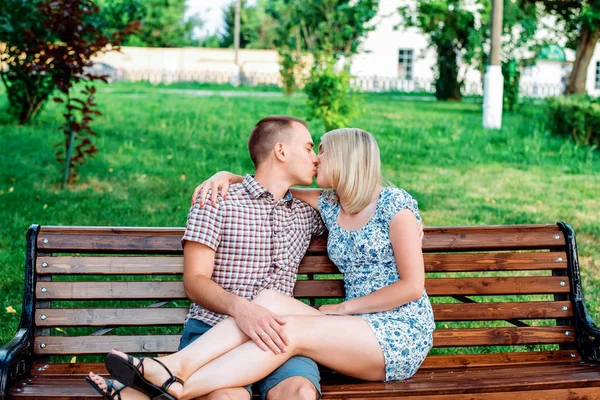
(62, 239)
(110, 265)
(568, 382)
(169, 343)
(176, 315)
(470, 262)
(497, 285)
(524, 382)
(502, 336)
(452, 361)
(502, 311)
(494, 359)
(98, 290)
(454, 286)
(427, 383)
(310, 264)
(110, 316)
(590, 393)
(110, 290)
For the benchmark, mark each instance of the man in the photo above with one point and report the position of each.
(252, 240)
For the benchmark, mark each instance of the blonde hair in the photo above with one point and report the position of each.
(354, 166)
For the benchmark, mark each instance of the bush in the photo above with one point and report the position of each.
(576, 116)
(330, 96)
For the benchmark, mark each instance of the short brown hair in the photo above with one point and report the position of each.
(266, 133)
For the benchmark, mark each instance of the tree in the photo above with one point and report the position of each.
(459, 34)
(453, 34)
(54, 53)
(331, 31)
(164, 25)
(519, 26)
(256, 27)
(30, 76)
(581, 21)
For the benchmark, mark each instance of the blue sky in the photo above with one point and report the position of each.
(210, 12)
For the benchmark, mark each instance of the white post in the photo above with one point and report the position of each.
(235, 76)
(493, 82)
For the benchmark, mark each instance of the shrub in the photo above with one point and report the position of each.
(330, 97)
(576, 116)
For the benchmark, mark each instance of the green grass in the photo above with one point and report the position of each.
(156, 146)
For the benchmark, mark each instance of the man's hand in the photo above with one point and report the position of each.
(262, 326)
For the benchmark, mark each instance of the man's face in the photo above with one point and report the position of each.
(302, 160)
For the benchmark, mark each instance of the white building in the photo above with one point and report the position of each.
(390, 54)
(389, 59)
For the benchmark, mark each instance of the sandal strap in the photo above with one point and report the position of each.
(173, 379)
(167, 384)
(110, 387)
(139, 366)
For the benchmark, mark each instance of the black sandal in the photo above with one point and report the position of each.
(110, 386)
(133, 376)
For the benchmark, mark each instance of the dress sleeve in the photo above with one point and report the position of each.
(326, 203)
(396, 201)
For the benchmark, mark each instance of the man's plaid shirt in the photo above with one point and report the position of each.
(258, 241)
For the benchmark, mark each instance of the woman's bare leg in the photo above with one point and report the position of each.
(344, 343)
(219, 340)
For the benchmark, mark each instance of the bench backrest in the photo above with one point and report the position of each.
(499, 294)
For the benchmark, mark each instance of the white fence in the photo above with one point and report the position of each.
(362, 83)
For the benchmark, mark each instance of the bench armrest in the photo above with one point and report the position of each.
(15, 360)
(587, 333)
(16, 356)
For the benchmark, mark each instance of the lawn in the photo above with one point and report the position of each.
(157, 144)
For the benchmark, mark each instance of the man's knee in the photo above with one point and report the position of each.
(294, 388)
(228, 394)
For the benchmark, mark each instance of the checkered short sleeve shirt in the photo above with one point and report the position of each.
(258, 242)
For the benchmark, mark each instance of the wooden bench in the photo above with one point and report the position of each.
(507, 300)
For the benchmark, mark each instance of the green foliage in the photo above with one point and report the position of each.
(330, 31)
(577, 117)
(458, 30)
(454, 35)
(212, 42)
(329, 96)
(256, 27)
(44, 50)
(512, 75)
(575, 15)
(579, 21)
(164, 24)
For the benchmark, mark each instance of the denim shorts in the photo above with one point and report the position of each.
(295, 366)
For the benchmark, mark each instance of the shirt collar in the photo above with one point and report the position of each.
(256, 190)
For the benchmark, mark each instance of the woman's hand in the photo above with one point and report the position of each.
(219, 181)
(335, 309)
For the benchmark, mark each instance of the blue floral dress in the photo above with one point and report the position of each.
(366, 259)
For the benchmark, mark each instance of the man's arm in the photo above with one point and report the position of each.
(261, 325)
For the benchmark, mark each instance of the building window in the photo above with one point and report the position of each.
(405, 64)
(598, 75)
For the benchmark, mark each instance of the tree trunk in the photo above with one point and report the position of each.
(447, 86)
(585, 49)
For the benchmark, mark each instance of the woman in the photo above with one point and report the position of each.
(381, 332)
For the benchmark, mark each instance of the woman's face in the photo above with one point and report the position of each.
(323, 178)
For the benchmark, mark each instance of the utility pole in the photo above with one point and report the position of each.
(493, 83)
(236, 35)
